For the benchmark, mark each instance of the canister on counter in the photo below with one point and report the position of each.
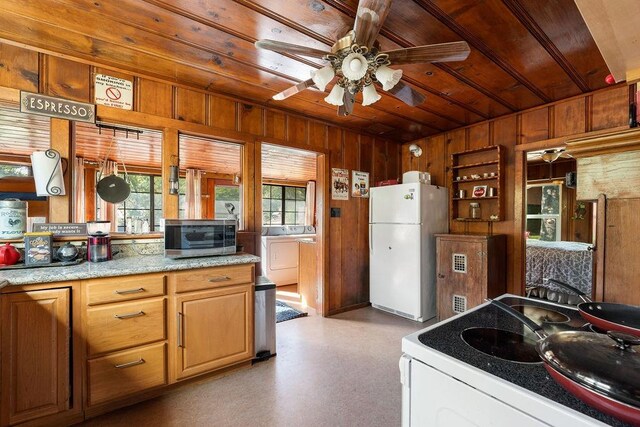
(13, 218)
(37, 248)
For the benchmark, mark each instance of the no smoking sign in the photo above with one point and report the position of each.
(113, 92)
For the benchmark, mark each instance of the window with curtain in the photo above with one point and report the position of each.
(544, 212)
(283, 205)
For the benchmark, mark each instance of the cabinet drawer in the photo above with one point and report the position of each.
(115, 289)
(126, 372)
(207, 278)
(117, 326)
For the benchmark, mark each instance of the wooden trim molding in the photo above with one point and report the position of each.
(607, 143)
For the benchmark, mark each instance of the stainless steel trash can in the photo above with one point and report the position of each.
(265, 319)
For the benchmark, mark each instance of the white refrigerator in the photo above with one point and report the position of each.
(402, 251)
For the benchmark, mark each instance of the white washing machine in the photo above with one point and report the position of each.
(280, 246)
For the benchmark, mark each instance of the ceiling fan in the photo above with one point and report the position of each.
(358, 63)
(554, 154)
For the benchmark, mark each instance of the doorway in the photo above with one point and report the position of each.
(291, 242)
(559, 230)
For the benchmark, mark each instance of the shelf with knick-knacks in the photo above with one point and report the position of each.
(476, 185)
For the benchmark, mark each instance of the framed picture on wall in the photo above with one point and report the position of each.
(339, 184)
(360, 184)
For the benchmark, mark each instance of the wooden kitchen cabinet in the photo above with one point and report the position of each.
(470, 268)
(36, 351)
(214, 329)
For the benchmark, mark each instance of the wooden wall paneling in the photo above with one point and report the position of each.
(534, 126)
(297, 130)
(223, 113)
(365, 165)
(610, 108)
(251, 185)
(275, 125)
(190, 106)
(479, 136)
(317, 135)
(154, 97)
(437, 160)
(617, 175)
(350, 219)
(89, 194)
(60, 206)
(251, 119)
(380, 161)
(570, 117)
(394, 169)
(456, 142)
(170, 152)
(323, 194)
(67, 79)
(336, 143)
(621, 243)
(19, 68)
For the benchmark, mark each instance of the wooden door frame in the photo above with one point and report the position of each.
(322, 210)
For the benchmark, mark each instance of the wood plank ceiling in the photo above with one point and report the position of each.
(523, 52)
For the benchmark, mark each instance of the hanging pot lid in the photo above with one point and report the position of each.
(113, 189)
(608, 365)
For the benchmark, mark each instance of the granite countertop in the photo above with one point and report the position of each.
(117, 267)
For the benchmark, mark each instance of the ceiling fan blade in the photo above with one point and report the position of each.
(293, 90)
(282, 47)
(369, 19)
(348, 100)
(407, 95)
(443, 52)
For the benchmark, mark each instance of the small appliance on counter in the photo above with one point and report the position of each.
(99, 241)
(184, 238)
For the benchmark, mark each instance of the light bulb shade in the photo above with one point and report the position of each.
(369, 95)
(354, 66)
(388, 77)
(322, 77)
(335, 96)
(173, 179)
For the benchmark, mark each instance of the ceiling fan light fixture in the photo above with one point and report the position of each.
(335, 96)
(388, 77)
(369, 95)
(354, 66)
(323, 77)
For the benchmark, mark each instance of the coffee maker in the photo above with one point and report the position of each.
(98, 241)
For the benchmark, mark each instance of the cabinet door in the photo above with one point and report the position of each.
(35, 354)
(214, 329)
(461, 272)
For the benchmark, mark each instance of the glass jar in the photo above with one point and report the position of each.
(474, 210)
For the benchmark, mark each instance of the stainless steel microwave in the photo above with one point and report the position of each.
(184, 238)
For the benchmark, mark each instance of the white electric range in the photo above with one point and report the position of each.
(448, 383)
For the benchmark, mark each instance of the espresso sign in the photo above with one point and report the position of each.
(57, 107)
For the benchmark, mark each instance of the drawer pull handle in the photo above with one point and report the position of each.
(220, 279)
(130, 364)
(129, 291)
(130, 315)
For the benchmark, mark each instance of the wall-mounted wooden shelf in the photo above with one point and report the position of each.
(480, 161)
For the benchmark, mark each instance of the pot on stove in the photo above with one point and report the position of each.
(601, 370)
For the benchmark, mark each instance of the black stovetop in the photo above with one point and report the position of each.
(446, 339)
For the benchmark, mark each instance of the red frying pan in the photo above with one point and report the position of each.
(602, 371)
(608, 316)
